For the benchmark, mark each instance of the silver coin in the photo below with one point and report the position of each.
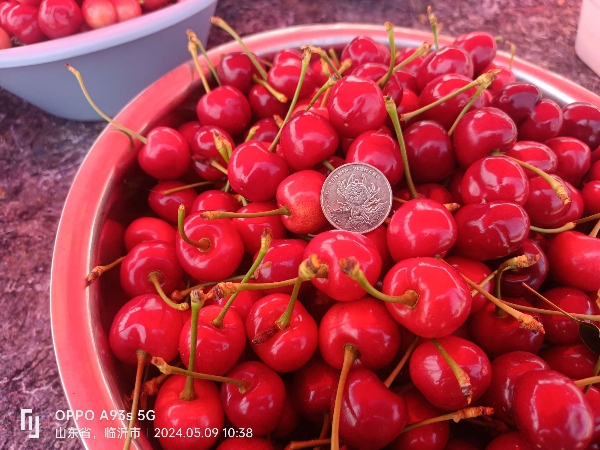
(356, 197)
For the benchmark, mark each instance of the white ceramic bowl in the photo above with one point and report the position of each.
(588, 34)
(116, 62)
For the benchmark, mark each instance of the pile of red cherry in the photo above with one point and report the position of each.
(24, 22)
(497, 199)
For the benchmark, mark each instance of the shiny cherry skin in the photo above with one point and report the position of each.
(575, 361)
(99, 13)
(307, 139)
(444, 301)
(406, 79)
(593, 401)
(245, 443)
(284, 78)
(544, 122)
(286, 55)
(188, 130)
(261, 405)
(225, 107)
(507, 335)
(506, 371)
(127, 9)
(242, 303)
(266, 131)
(534, 276)
(561, 330)
(433, 377)
(152, 5)
(573, 158)
(420, 227)
(312, 388)
(480, 46)
(355, 105)
(218, 349)
(428, 437)
(428, 141)
(301, 194)
(409, 103)
(289, 420)
(143, 260)
(251, 228)
(363, 323)
(591, 197)
(263, 104)
(255, 172)
(446, 113)
(147, 323)
(536, 154)
(371, 415)
(290, 348)
(482, 131)
(573, 258)
(214, 200)
(22, 21)
(236, 69)
(166, 206)
(411, 67)
(222, 257)
(518, 100)
(582, 121)
(281, 263)
(378, 237)
(375, 72)
(5, 8)
(59, 18)
(379, 150)
(362, 50)
(445, 61)
(148, 229)
(476, 271)
(166, 155)
(495, 178)
(543, 425)
(204, 413)
(490, 230)
(509, 441)
(455, 185)
(543, 205)
(330, 247)
(203, 149)
(432, 191)
(503, 78)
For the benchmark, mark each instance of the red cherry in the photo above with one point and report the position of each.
(534, 153)
(575, 361)
(573, 158)
(573, 258)
(449, 60)
(374, 72)
(379, 150)
(152, 5)
(147, 323)
(59, 18)
(534, 276)
(245, 443)
(582, 121)
(313, 386)
(4, 39)
(432, 191)
(205, 413)
(509, 441)
(188, 130)
(225, 107)
(281, 263)
(433, 377)
(21, 20)
(213, 200)
(409, 103)
(300, 193)
(260, 406)
(455, 185)
(286, 55)
(5, 8)
(236, 69)
(444, 300)
(378, 237)
(265, 130)
(503, 78)
(289, 420)
(518, 100)
(591, 197)
(284, 78)
(575, 210)
(263, 103)
(544, 122)
(166, 155)
(363, 50)
(480, 46)
(127, 9)
(148, 229)
(166, 206)
(543, 424)
(242, 303)
(99, 13)
(476, 271)
(204, 150)
(413, 66)
(593, 400)
(251, 228)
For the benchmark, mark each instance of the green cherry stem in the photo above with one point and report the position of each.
(334, 56)
(99, 270)
(351, 354)
(390, 379)
(323, 54)
(194, 38)
(193, 49)
(155, 278)
(203, 244)
(328, 84)
(568, 226)
(278, 95)
(464, 381)
(421, 50)
(178, 296)
(197, 301)
(251, 132)
(513, 49)
(223, 146)
(187, 186)
(389, 27)
(214, 215)
(328, 165)
(466, 108)
(434, 27)
(142, 357)
(595, 230)
(456, 416)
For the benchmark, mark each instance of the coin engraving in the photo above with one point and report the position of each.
(356, 197)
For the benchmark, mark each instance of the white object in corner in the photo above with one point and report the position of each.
(587, 44)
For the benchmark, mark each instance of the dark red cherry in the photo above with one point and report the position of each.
(213, 200)
(534, 153)
(575, 210)
(251, 228)
(490, 230)
(286, 55)
(543, 204)
(379, 150)
(433, 377)
(59, 18)
(263, 103)
(407, 80)
(225, 107)
(495, 178)
(356, 105)
(455, 185)
(363, 50)
(330, 247)
(509, 441)
(518, 100)
(289, 420)
(300, 193)
(445, 61)
(543, 424)
(166, 155)
(312, 388)
(503, 78)
(460, 444)
(236, 69)
(481, 131)
(593, 400)
(591, 197)
(480, 46)
(284, 78)
(242, 303)
(444, 300)
(573, 158)
(544, 122)
(281, 263)
(534, 276)
(374, 72)
(203, 413)
(148, 229)
(166, 206)
(147, 323)
(265, 130)
(204, 150)
(22, 21)
(575, 361)
(582, 121)
(428, 141)
(573, 258)
(476, 271)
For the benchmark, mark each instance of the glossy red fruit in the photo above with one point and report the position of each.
(245, 443)
(409, 103)
(330, 247)
(379, 238)
(509, 441)
(371, 415)
(433, 377)
(518, 100)
(575, 361)
(21, 20)
(375, 72)
(428, 141)
(263, 103)
(204, 414)
(543, 424)
(573, 158)
(4, 39)
(265, 132)
(445, 61)
(166, 206)
(432, 191)
(544, 122)
(481, 131)
(284, 78)
(480, 46)
(99, 13)
(127, 9)
(537, 154)
(534, 276)
(250, 229)
(573, 258)
(582, 121)
(300, 193)
(261, 405)
(225, 107)
(59, 18)
(236, 69)
(444, 299)
(379, 150)
(363, 50)
(503, 78)
(152, 5)
(490, 230)
(213, 200)
(591, 197)
(281, 263)
(356, 105)
(411, 67)
(203, 150)
(148, 229)
(147, 323)
(166, 155)
(476, 271)
(312, 388)
(543, 204)
(593, 401)
(242, 303)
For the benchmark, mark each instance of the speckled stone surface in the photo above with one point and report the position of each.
(40, 154)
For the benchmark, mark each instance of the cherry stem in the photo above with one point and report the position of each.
(162, 365)
(278, 120)
(295, 445)
(178, 296)
(587, 381)
(99, 270)
(149, 388)
(596, 372)
(193, 49)
(456, 416)
(222, 290)
(223, 146)
(513, 49)
(328, 84)
(466, 108)
(452, 207)
(540, 296)
(251, 132)
(328, 165)
(390, 379)
(483, 282)
(434, 26)
(516, 263)
(142, 356)
(192, 37)
(214, 215)
(351, 267)
(278, 95)
(568, 226)
(351, 354)
(223, 25)
(197, 301)
(422, 49)
(187, 186)
(265, 242)
(389, 27)
(334, 56)
(124, 129)
(325, 427)
(595, 230)
(464, 381)
(214, 163)
(155, 278)
(390, 106)
(319, 51)
(203, 244)
(550, 313)
(305, 62)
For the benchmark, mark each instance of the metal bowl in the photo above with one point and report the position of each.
(109, 186)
